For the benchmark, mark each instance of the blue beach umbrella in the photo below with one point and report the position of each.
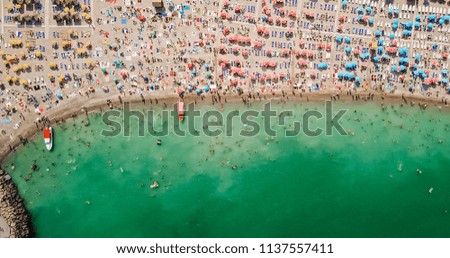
(360, 17)
(444, 72)
(344, 4)
(357, 80)
(447, 18)
(418, 18)
(368, 9)
(377, 33)
(392, 36)
(409, 25)
(348, 49)
(198, 91)
(384, 56)
(360, 10)
(338, 39)
(435, 46)
(418, 57)
(322, 66)
(444, 81)
(119, 86)
(348, 40)
(441, 21)
(376, 59)
(432, 17)
(380, 42)
(371, 21)
(416, 25)
(380, 50)
(394, 68)
(206, 89)
(430, 26)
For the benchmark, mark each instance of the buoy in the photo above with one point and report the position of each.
(159, 142)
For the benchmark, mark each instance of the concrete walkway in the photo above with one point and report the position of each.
(4, 228)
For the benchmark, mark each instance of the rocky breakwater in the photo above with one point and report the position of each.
(14, 218)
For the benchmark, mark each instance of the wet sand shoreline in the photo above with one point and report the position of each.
(78, 106)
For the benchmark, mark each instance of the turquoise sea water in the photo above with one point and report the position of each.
(375, 183)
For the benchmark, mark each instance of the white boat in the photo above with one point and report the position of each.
(48, 138)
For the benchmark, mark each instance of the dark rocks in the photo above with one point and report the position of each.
(12, 209)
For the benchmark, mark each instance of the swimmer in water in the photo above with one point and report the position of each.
(233, 166)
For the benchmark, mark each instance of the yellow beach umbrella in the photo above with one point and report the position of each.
(8, 78)
(28, 45)
(38, 53)
(18, 6)
(50, 75)
(10, 8)
(54, 43)
(2, 53)
(15, 69)
(25, 66)
(72, 10)
(14, 79)
(23, 81)
(70, 31)
(22, 54)
(87, 17)
(84, 7)
(66, 10)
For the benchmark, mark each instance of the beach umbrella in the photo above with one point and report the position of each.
(416, 25)
(394, 68)
(432, 17)
(344, 4)
(360, 17)
(444, 72)
(371, 21)
(418, 57)
(348, 40)
(376, 59)
(377, 33)
(339, 39)
(360, 10)
(119, 86)
(430, 26)
(368, 9)
(348, 49)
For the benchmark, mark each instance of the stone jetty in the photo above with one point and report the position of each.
(14, 218)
